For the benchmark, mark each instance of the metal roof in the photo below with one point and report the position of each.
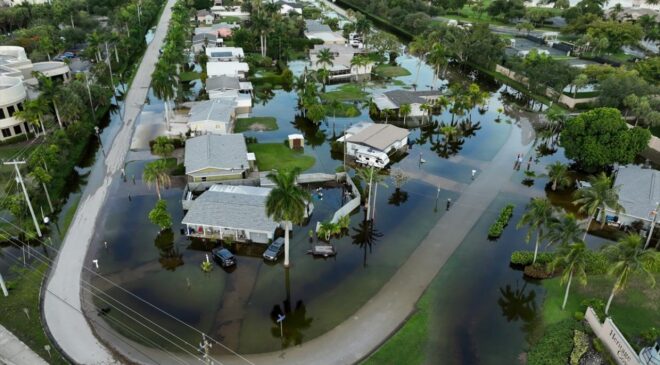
(639, 192)
(223, 82)
(218, 110)
(400, 97)
(223, 152)
(237, 207)
(314, 26)
(379, 136)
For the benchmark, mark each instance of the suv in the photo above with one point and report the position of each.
(274, 250)
(223, 257)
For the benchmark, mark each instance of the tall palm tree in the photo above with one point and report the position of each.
(33, 111)
(325, 58)
(418, 48)
(565, 231)
(538, 217)
(371, 176)
(558, 174)
(404, 111)
(156, 173)
(427, 109)
(163, 146)
(573, 259)
(163, 84)
(628, 257)
(49, 90)
(287, 203)
(598, 197)
(437, 57)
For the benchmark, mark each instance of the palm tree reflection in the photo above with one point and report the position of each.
(365, 236)
(170, 257)
(296, 320)
(518, 304)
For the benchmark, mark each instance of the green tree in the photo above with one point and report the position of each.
(628, 258)
(418, 48)
(618, 34)
(565, 230)
(580, 81)
(49, 91)
(404, 111)
(572, 259)
(558, 174)
(316, 112)
(601, 137)
(32, 113)
(596, 198)
(156, 173)
(163, 146)
(160, 216)
(287, 202)
(538, 217)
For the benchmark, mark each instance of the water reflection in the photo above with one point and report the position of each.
(170, 257)
(398, 197)
(314, 135)
(365, 236)
(296, 321)
(517, 303)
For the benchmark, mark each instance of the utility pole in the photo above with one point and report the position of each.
(107, 55)
(27, 198)
(655, 217)
(3, 286)
(89, 93)
(205, 346)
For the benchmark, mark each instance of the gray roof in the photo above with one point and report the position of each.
(314, 26)
(218, 110)
(400, 97)
(200, 38)
(379, 136)
(223, 82)
(290, 3)
(238, 207)
(203, 13)
(216, 151)
(639, 191)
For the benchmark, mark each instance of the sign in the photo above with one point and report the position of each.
(280, 318)
(612, 338)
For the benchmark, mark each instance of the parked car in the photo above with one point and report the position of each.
(581, 184)
(223, 257)
(274, 250)
(68, 55)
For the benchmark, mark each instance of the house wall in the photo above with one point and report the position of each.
(238, 234)
(209, 126)
(215, 175)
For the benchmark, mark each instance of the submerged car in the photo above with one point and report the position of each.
(224, 257)
(274, 250)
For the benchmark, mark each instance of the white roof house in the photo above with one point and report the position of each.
(341, 64)
(216, 116)
(214, 157)
(287, 7)
(235, 69)
(205, 40)
(639, 194)
(230, 11)
(370, 143)
(235, 211)
(225, 53)
(392, 100)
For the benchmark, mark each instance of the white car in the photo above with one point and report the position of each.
(581, 184)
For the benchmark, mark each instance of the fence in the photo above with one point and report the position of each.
(351, 204)
(612, 338)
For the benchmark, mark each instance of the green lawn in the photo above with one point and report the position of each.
(390, 71)
(346, 92)
(344, 110)
(277, 156)
(634, 310)
(189, 75)
(255, 124)
(407, 344)
(24, 294)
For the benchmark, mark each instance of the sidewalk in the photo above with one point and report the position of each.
(14, 352)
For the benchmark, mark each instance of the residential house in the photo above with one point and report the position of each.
(232, 87)
(230, 11)
(204, 17)
(392, 100)
(236, 212)
(205, 40)
(233, 69)
(639, 195)
(222, 30)
(287, 7)
(213, 157)
(341, 68)
(216, 116)
(317, 30)
(225, 54)
(371, 144)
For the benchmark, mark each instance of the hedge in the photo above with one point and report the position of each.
(497, 228)
(597, 262)
(556, 344)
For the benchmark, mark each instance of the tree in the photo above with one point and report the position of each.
(437, 57)
(49, 90)
(287, 202)
(628, 257)
(538, 217)
(599, 196)
(156, 173)
(616, 84)
(507, 9)
(325, 58)
(573, 259)
(600, 137)
(316, 112)
(580, 81)
(558, 174)
(163, 146)
(618, 34)
(33, 111)
(404, 111)
(565, 230)
(43, 177)
(160, 216)
(418, 48)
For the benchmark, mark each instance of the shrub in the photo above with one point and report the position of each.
(525, 258)
(556, 344)
(579, 316)
(580, 346)
(497, 228)
(537, 271)
(597, 305)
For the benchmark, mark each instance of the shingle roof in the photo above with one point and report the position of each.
(379, 136)
(223, 82)
(238, 207)
(639, 191)
(400, 97)
(216, 151)
(219, 110)
(314, 26)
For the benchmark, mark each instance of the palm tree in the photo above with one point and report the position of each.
(156, 173)
(628, 257)
(538, 217)
(33, 112)
(427, 109)
(261, 25)
(163, 146)
(558, 174)
(49, 90)
(580, 81)
(565, 230)
(404, 111)
(287, 203)
(437, 57)
(43, 177)
(599, 196)
(371, 176)
(573, 259)
(418, 48)
(163, 84)
(325, 58)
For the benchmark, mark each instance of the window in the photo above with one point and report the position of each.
(2, 113)
(6, 133)
(11, 110)
(203, 178)
(17, 129)
(20, 106)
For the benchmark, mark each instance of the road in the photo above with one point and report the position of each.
(62, 300)
(14, 352)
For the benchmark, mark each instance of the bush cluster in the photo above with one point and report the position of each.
(525, 258)
(580, 346)
(555, 346)
(597, 262)
(497, 228)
